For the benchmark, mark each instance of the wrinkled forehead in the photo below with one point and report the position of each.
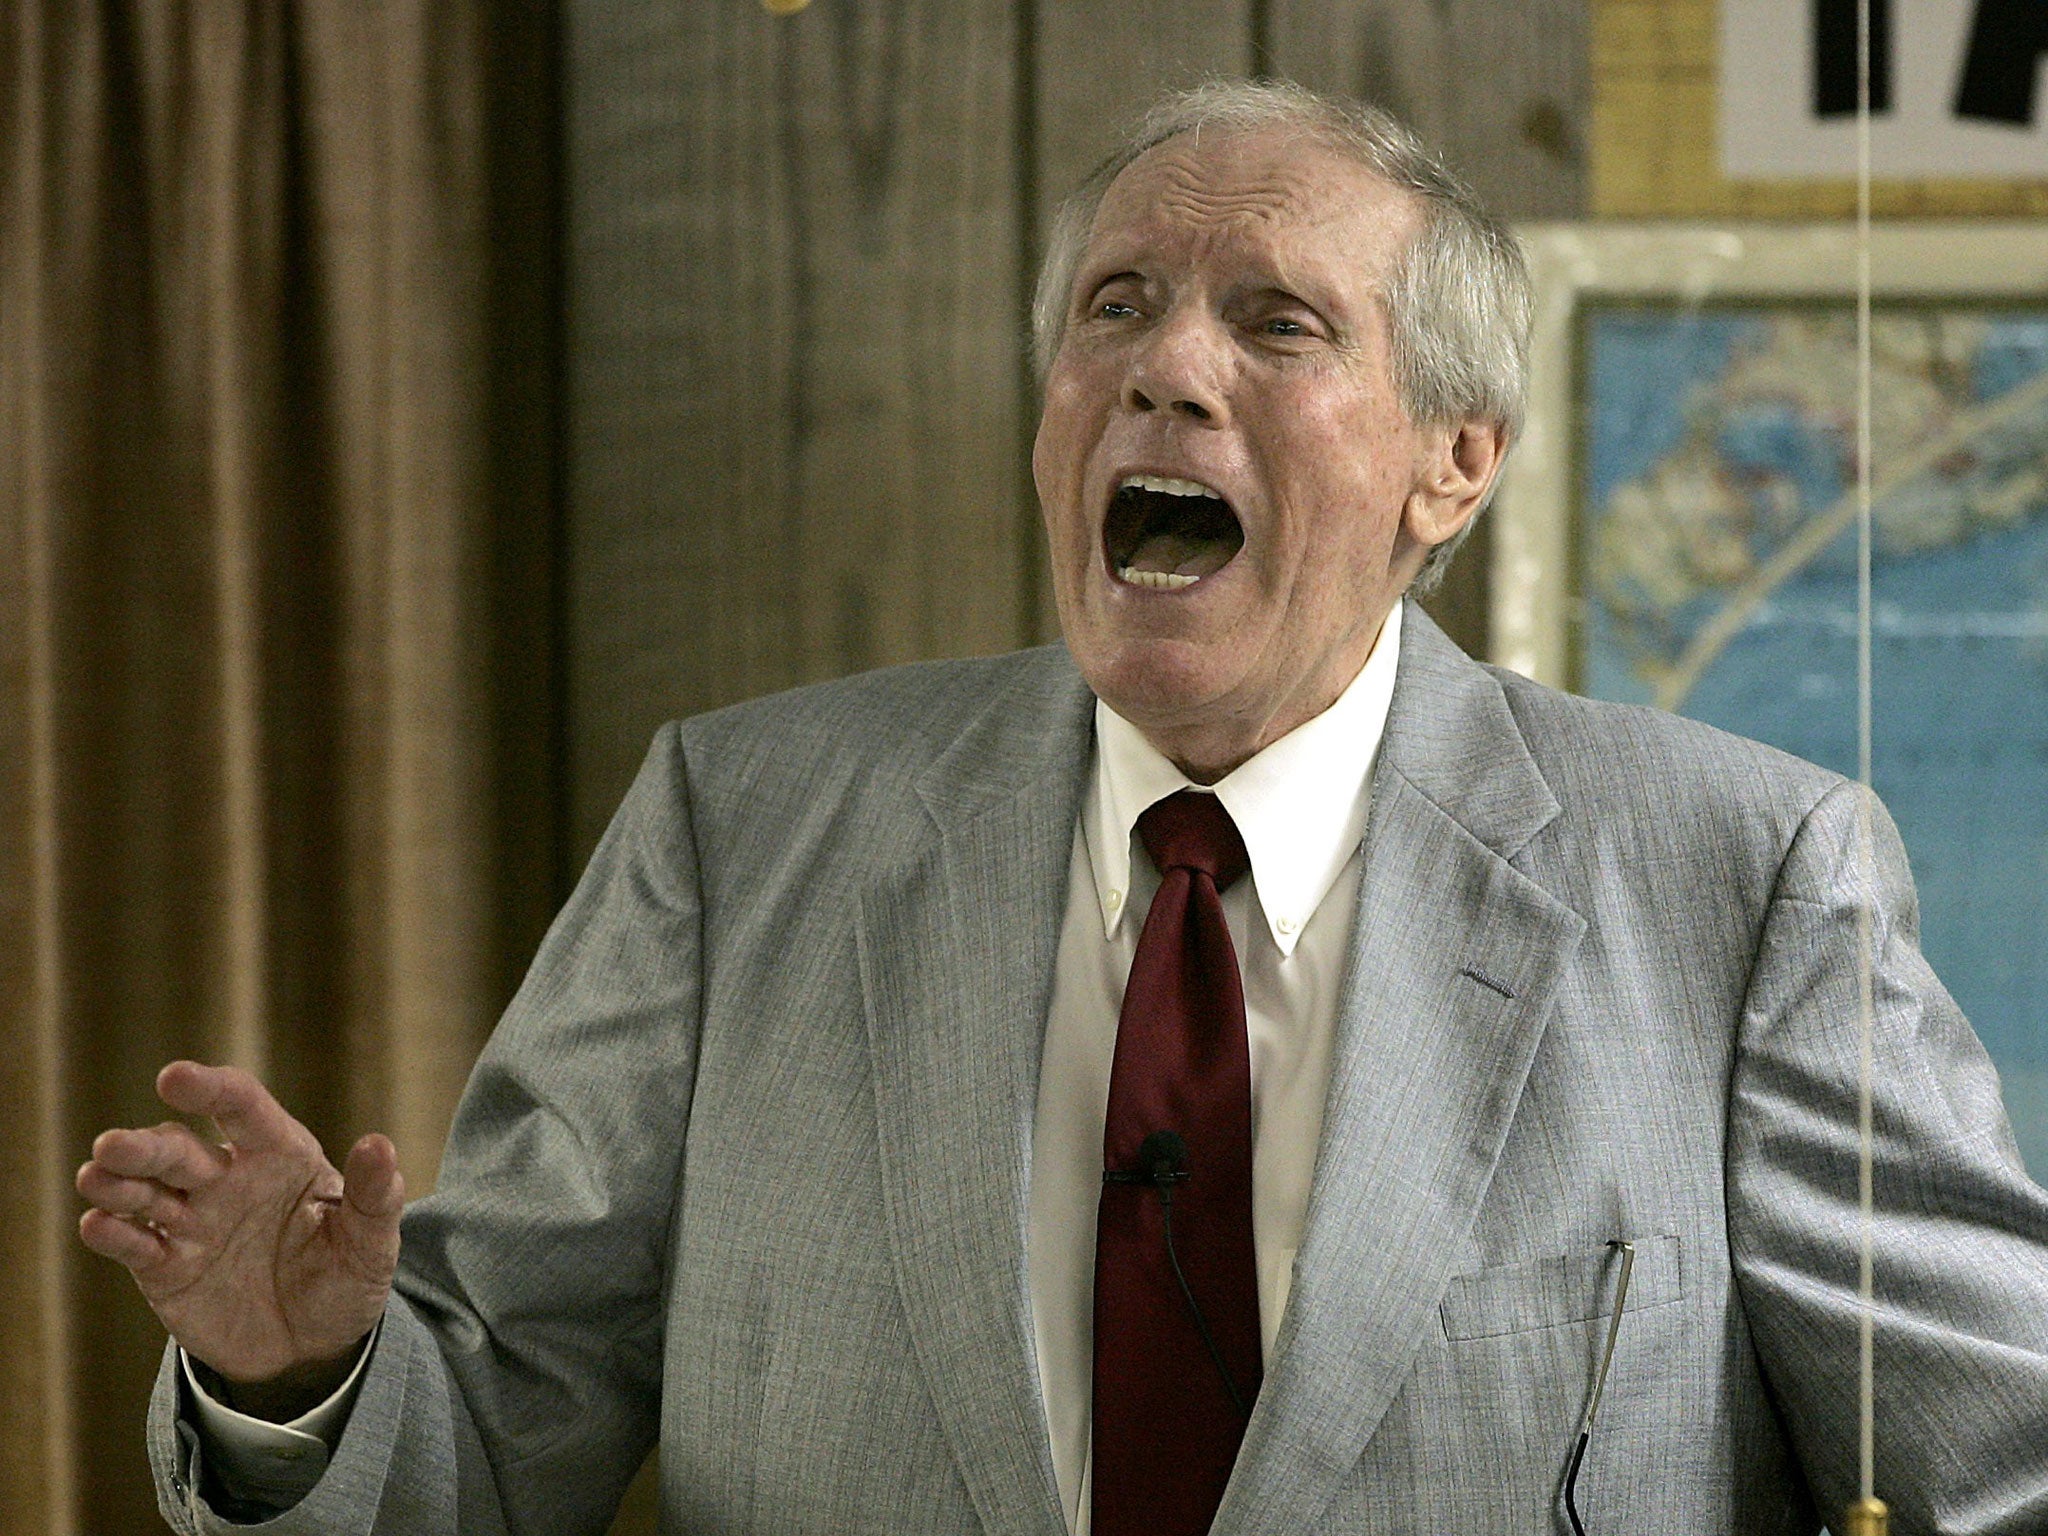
(1261, 182)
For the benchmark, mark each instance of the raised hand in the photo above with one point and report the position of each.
(261, 1259)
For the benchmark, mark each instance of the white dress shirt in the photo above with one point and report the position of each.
(276, 1463)
(1300, 806)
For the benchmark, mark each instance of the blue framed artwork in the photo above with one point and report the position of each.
(1692, 518)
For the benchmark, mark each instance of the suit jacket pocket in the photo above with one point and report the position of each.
(1570, 1288)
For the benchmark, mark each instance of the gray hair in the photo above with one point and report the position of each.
(1457, 301)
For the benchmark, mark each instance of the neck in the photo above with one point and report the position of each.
(1206, 764)
(1208, 750)
(1211, 746)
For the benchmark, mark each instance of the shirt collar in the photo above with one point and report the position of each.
(1300, 804)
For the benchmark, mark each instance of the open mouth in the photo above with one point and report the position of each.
(1168, 534)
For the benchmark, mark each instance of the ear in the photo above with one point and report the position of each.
(1459, 463)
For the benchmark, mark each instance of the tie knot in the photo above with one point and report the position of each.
(1193, 831)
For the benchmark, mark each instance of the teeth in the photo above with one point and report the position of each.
(1166, 486)
(1162, 581)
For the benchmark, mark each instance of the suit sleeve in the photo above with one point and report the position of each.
(515, 1386)
(1961, 1234)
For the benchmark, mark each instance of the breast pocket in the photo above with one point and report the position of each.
(1569, 1288)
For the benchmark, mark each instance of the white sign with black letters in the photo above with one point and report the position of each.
(1959, 88)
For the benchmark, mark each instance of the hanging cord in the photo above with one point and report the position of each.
(1571, 1477)
(1868, 1515)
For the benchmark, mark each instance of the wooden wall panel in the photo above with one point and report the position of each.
(1501, 87)
(1100, 63)
(795, 392)
(798, 253)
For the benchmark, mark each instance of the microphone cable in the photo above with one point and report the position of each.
(1163, 1163)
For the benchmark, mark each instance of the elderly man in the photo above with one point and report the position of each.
(1213, 1076)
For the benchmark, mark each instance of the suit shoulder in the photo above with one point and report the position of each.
(904, 715)
(862, 752)
(1633, 757)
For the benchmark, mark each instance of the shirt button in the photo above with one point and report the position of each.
(1285, 925)
(1114, 900)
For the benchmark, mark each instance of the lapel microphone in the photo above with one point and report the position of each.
(1163, 1163)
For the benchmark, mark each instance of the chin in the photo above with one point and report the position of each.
(1156, 679)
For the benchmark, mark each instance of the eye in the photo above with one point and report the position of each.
(1282, 318)
(1118, 296)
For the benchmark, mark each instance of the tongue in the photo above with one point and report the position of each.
(1180, 554)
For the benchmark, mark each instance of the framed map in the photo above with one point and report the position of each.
(1680, 531)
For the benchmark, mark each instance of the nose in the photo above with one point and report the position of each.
(1180, 368)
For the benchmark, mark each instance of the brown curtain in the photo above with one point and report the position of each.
(277, 730)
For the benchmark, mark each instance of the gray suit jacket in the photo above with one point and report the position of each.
(744, 1166)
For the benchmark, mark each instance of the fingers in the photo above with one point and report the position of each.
(366, 1220)
(240, 1105)
(171, 1154)
(135, 1199)
(372, 1188)
(122, 1241)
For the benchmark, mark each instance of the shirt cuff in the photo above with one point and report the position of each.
(272, 1465)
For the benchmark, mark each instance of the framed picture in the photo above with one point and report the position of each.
(1678, 528)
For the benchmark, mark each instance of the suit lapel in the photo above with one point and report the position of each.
(1431, 1056)
(956, 957)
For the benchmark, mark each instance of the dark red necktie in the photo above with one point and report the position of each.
(1166, 1430)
